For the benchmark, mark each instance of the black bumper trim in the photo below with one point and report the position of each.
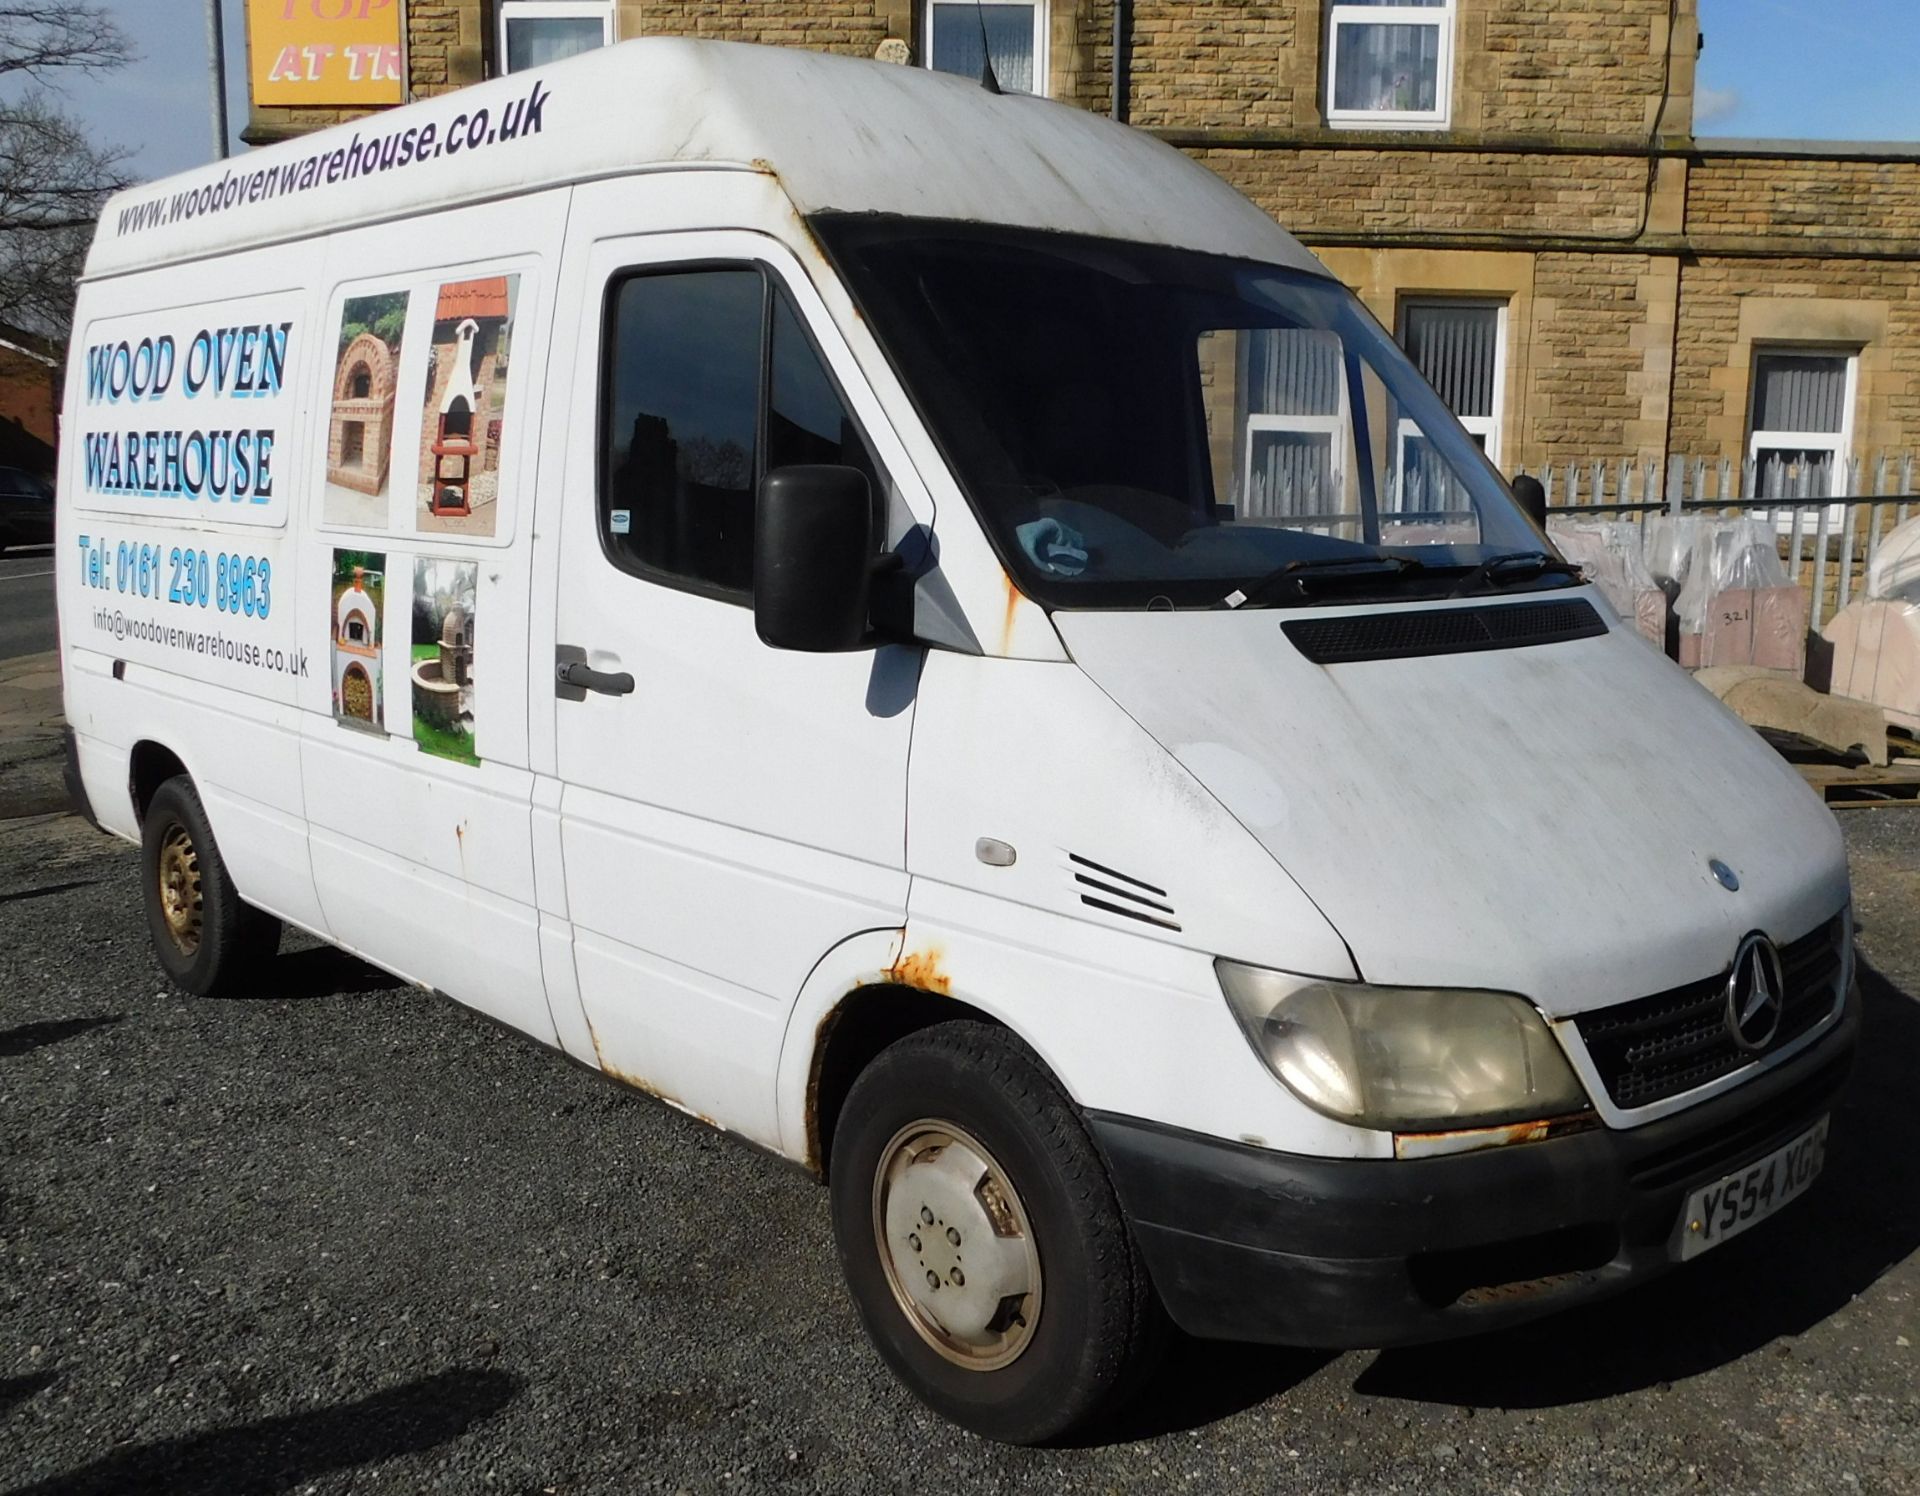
(1248, 1244)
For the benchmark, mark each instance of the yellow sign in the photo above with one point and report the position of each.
(322, 52)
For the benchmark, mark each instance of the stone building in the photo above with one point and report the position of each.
(1513, 186)
(29, 401)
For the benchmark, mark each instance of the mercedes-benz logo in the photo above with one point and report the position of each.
(1756, 989)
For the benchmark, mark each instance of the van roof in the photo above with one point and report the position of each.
(839, 133)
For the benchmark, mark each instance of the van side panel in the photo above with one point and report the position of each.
(415, 556)
(174, 569)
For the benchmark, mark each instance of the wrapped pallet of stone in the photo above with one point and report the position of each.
(1610, 553)
(1876, 638)
(1737, 605)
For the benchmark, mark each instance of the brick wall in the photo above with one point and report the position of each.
(1865, 201)
(1550, 67)
(1587, 360)
(854, 27)
(1209, 63)
(1337, 191)
(29, 401)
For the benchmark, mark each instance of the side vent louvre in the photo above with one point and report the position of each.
(1119, 893)
(1436, 631)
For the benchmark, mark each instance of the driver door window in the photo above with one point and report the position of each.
(710, 382)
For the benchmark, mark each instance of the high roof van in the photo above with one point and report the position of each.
(921, 628)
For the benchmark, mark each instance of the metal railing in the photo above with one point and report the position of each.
(1811, 503)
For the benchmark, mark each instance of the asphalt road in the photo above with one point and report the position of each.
(343, 1236)
(26, 602)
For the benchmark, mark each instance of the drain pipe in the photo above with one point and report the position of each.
(1122, 17)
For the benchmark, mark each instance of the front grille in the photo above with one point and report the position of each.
(1672, 1042)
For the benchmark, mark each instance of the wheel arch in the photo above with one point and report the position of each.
(150, 764)
(866, 993)
(852, 1035)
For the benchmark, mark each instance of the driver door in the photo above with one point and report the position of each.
(739, 810)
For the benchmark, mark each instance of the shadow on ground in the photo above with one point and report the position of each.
(28, 1037)
(45, 891)
(18, 1389)
(1201, 1382)
(277, 1454)
(319, 971)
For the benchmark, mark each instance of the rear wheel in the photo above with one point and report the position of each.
(208, 941)
(981, 1239)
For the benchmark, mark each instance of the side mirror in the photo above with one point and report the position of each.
(813, 547)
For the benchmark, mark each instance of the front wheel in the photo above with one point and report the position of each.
(208, 941)
(982, 1241)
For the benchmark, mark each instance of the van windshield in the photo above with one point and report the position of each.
(1138, 426)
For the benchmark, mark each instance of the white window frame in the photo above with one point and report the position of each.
(1489, 427)
(1838, 444)
(553, 10)
(1441, 17)
(1336, 427)
(1042, 27)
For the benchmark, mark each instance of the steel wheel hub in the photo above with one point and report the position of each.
(179, 877)
(957, 1246)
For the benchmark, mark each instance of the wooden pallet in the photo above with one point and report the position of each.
(1858, 786)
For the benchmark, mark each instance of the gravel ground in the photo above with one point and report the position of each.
(347, 1237)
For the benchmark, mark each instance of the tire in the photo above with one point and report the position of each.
(208, 942)
(1078, 1325)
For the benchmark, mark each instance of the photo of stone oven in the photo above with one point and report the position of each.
(444, 596)
(466, 406)
(359, 590)
(366, 379)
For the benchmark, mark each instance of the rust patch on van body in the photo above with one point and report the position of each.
(922, 971)
(815, 1159)
(648, 1088)
(1012, 614)
(1473, 1139)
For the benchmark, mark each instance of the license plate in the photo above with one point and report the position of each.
(1720, 1211)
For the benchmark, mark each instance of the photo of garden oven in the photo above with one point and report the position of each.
(466, 406)
(444, 598)
(359, 588)
(366, 379)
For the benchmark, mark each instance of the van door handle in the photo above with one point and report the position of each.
(586, 678)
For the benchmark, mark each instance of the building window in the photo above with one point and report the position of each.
(1390, 64)
(1014, 33)
(535, 32)
(1459, 347)
(1801, 417)
(1297, 436)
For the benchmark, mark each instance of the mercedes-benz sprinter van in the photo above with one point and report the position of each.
(918, 626)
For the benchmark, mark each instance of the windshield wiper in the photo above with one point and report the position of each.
(1516, 564)
(1295, 573)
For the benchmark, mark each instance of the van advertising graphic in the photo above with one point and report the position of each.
(444, 594)
(180, 414)
(366, 375)
(466, 407)
(175, 478)
(359, 590)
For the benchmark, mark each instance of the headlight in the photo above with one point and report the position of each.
(1403, 1058)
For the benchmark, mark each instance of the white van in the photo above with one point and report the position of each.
(919, 627)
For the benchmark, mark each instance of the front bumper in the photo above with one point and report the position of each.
(1247, 1244)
